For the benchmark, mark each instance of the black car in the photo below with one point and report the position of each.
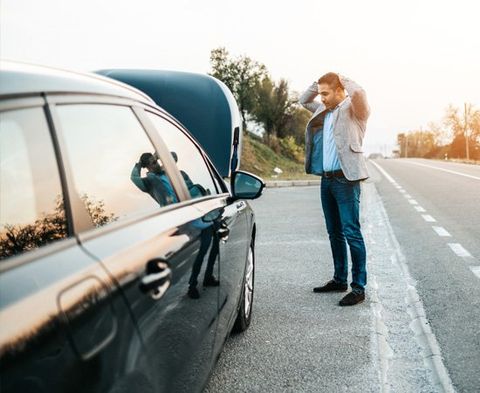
(125, 260)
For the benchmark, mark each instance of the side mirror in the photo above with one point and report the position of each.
(246, 186)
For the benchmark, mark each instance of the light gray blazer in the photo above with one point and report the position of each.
(349, 127)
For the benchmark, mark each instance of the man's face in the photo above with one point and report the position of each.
(153, 165)
(330, 97)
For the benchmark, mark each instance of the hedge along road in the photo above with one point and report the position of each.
(300, 341)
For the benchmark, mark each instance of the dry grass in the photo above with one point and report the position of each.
(259, 159)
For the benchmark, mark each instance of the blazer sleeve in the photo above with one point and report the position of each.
(307, 99)
(136, 178)
(358, 97)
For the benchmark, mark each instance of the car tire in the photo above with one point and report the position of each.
(244, 315)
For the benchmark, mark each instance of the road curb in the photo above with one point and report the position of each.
(291, 183)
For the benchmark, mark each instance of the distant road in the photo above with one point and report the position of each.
(434, 210)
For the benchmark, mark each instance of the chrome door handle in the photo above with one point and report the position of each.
(157, 278)
(223, 232)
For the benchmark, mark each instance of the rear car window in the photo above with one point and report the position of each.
(189, 160)
(115, 167)
(32, 211)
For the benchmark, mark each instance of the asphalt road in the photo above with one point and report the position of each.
(443, 255)
(298, 340)
(418, 329)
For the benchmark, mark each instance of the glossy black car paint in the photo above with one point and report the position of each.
(78, 315)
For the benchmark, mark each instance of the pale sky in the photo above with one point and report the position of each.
(413, 57)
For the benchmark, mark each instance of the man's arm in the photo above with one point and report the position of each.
(136, 177)
(307, 99)
(358, 97)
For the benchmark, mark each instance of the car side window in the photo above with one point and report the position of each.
(189, 160)
(115, 167)
(32, 211)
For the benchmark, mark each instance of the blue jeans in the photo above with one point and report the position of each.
(341, 207)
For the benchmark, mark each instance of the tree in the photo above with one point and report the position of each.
(15, 239)
(97, 212)
(417, 143)
(463, 126)
(447, 141)
(241, 75)
(262, 101)
(274, 107)
(222, 68)
(297, 123)
(402, 143)
(49, 227)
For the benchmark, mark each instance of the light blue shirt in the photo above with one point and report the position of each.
(324, 150)
(330, 154)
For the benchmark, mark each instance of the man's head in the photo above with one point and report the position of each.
(331, 90)
(148, 160)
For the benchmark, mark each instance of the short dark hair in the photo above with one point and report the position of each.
(145, 159)
(332, 80)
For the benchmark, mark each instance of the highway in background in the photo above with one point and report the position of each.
(434, 210)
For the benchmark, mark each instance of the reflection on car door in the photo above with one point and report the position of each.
(63, 326)
(232, 219)
(178, 331)
(149, 249)
(233, 256)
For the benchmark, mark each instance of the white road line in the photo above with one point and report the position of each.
(428, 218)
(389, 178)
(419, 209)
(403, 191)
(441, 231)
(444, 170)
(408, 196)
(413, 201)
(458, 249)
(475, 270)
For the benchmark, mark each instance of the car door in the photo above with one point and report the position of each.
(231, 232)
(233, 256)
(63, 327)
(150, 245)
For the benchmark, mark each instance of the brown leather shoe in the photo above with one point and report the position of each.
(352, 298)
(331, 286)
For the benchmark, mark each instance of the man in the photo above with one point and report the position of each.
(206, 236)
(333, 150)
(155, 183)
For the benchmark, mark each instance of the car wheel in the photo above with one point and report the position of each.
(244, 315)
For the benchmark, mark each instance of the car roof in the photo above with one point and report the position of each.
(17, 79)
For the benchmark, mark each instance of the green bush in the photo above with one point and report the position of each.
(290, 149)
(273, 143)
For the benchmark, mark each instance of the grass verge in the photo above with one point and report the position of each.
(261, 160)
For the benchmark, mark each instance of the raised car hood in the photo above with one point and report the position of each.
(203, 104)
